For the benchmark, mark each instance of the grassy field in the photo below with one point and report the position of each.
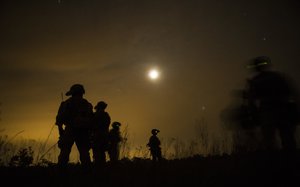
(251, 169)
(217, 162)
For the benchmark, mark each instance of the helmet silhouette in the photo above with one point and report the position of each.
(155, 131)
(116, 124)
(101, 105)
(260, 62)
(76, 89)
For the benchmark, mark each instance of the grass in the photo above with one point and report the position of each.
(206, 160)
(46, 152)
(255, 169)
(205, 143)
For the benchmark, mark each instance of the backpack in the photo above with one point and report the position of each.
(76, 113)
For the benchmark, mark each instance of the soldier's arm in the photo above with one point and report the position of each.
(90, 109)
(60, 119)
(60, 115)
(108, 119)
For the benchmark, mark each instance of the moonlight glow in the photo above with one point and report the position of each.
(153, 74)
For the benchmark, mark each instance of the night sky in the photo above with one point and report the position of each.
(200, 48)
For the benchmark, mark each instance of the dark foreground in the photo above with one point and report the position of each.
(255, 169)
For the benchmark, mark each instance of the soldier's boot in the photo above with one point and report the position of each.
(63, 157)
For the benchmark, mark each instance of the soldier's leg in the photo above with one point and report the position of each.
(159, 157)
(118, 153)
(99, 156)
(102, 156)
(269, 137)
(269, 122)
(63, 157)
(99, 148)
(154, 155)
(112, 154)
(83, 145)
(268, 129)
(287, 135)
(66, 144)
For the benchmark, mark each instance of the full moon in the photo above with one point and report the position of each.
(153, 74)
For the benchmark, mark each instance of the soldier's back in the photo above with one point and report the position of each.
(154, 142)
(78, 112)
(271, 87)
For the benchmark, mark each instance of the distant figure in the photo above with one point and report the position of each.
(154, 146)
(101, 122)
(73, 121)
(276, 103)
(114, 138)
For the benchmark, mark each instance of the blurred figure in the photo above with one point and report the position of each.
(74, 120)
(240, 117)
(276, 102)
(101, 122)
(114, 139)
(154, 146)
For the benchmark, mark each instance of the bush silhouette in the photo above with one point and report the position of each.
(23, 158)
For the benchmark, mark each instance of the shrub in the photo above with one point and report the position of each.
(23, 158)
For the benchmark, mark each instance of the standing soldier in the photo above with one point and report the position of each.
(275, 98)
(101, 122)
(115, 138)
(154, 145)
(74, 121)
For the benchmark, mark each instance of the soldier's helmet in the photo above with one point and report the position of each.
(101, 105)
(116, 125)
(155, 131)
(76, 89)
(260, 63)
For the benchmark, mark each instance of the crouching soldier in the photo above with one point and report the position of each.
(154, 146)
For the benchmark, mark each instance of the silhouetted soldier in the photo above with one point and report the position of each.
(275, 100)
(154, 146)
(74, 121)
(101, 122)
(115, 138)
